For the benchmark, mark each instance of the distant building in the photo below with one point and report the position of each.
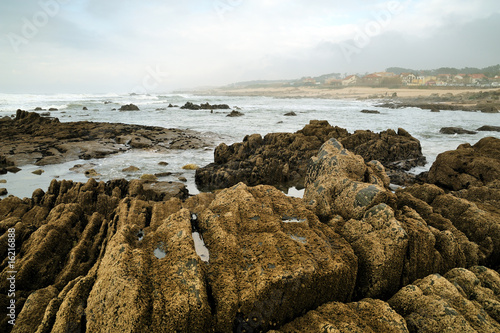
(375, 79)
(308, 81)
(334, 82)
(407, 78)
(478, 78)
(350, 80)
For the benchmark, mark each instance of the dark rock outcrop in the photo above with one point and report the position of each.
(488, 128)
(31, 139)
(281, 159)
(129, 107)
(370, 111)
(235, 113)
(206, 106)
(290, 114)
(455, 130)
(468, 165)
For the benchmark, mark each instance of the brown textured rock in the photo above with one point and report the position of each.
(154, 284)
(339, 182)
(31, 315)
(365, 316)
(380, 242)
(281, 159)
(439, 304)
(480, 225)
(468, 165)
(271, 259)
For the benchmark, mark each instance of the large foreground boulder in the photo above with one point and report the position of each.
(468, 165)
(271, 259)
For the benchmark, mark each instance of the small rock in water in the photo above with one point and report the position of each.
(235, 114)
(190, 167)
(149, 177)
(13, 169)
(38, 172)
(370, 111)
(129, 107)
(488, 128)
(455, 130)
(3, 181)
(290, 114)
(182, 179)
(163, 163)
(3, 191)
(163, 174)
(91, 173)
(131, 169)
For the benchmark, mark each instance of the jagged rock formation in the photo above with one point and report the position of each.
(280, 159)
(351, 256)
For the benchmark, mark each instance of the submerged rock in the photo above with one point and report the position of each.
(235, 114)
(455, 130)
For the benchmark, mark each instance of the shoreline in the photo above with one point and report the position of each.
(355, 93)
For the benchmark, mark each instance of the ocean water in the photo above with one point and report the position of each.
(262, 115)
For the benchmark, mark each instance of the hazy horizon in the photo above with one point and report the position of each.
(87, 46)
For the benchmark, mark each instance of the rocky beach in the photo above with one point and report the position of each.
(370, 246)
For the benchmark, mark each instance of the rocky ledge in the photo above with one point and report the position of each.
(32, 139)
(281, 159)
(351, 256)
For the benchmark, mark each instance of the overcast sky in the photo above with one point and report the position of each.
(91, 46)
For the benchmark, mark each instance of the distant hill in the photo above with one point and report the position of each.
(490, 71)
